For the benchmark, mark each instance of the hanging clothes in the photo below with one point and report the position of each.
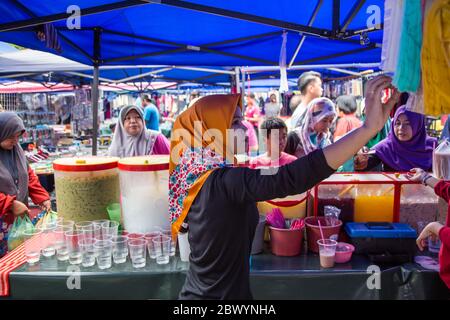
(393, 21)
(407, 73)
(436, 59)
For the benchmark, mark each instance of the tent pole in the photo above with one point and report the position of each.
(243, 89)
(95, 90)
(236, 76)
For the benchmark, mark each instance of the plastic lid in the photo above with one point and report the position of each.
(146, 163)
(85, 164)
(395, 230)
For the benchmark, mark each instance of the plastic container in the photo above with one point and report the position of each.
(291, 206)
(183, 243)
(114, 212)
(286, 242)
(144, 187)
(383, 242)
(418, 203)
(258, 239)
(313, 231)
(374, 203)
(85, 187)
(344, 252)
(339, 196)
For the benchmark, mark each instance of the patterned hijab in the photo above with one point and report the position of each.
(198, 146)
(317, 110)
(13, 163)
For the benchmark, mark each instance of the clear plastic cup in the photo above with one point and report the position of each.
(92, 231)
(79, 226)
(103, 249)
(135, 236)
(62, 252)
(87, 251)
(73, 247)
(66, 224)
(162, 248)
(138, 250)
(173, 242)
(48, 239)
(327, 252)
(99, 222)
(33, 245)
(110, 228)
(150, 246)
(120, 249)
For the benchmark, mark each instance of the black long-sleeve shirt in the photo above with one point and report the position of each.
(223, 218)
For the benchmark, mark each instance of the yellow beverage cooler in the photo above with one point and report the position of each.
(85, 186)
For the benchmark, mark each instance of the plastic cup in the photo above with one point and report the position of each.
(74, 250)
(48, 239)
(33, 245)
(66, 224)
(62, 252)
(173, 242)
(110, 229)
(138, 250)
(80, 226)
(150, 246)
(135, 236)
(162, 248)
(100, 222)
(87, 251)
(120, 249)
(327, 252)
(114, 212)
(103, 249)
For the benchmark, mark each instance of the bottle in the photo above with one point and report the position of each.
(184, 227)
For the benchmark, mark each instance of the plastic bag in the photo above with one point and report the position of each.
(15, 236)
(441, 160)
(331, 214)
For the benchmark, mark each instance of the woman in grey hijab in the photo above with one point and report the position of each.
(132, 139)
(17, 179)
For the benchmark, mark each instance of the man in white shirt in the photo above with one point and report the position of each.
(310, 86)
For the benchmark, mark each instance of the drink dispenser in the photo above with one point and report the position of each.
(85, 186)
(418, 203)
(361, 197)
(144, 186)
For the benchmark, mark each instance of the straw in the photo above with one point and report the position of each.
(321, 232)
(346, 190)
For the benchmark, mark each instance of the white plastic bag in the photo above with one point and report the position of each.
(441, 160)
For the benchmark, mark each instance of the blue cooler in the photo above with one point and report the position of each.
(383, 241)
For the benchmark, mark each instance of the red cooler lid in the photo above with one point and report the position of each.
(85, 164)
(146, 163)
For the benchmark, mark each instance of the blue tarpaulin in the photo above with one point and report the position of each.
(201, 32)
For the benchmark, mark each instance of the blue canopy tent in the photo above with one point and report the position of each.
(224, 33)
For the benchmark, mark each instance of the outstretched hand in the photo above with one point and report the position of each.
(377, 113)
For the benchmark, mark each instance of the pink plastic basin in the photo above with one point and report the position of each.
(344, 252)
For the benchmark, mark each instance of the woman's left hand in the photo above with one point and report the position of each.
(46, 205)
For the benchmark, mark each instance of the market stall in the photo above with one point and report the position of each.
(87, 188)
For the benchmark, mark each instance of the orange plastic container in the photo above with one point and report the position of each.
(286, 242)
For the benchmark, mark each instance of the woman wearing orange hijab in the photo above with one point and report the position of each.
(218, 201)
